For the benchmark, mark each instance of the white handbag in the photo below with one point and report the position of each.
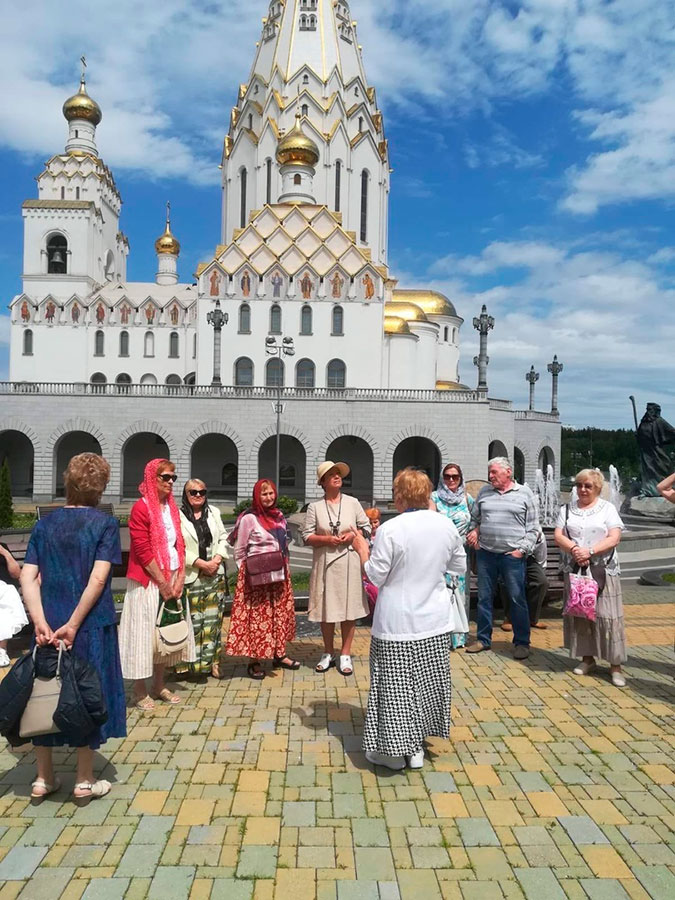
(170, 639)
(38, 716)
(458, 621)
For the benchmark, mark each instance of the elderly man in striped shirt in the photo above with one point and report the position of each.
(506, 527)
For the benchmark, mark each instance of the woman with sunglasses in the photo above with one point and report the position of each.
(156, 573)
(451, 500)
(204, 594)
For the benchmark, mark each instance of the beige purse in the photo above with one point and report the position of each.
(38, 716)
(170, 639)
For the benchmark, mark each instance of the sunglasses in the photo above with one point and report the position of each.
(167, 477)
(451, 477)
(197, 493)
(589, 487)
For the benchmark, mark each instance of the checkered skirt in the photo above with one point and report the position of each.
(410, 694)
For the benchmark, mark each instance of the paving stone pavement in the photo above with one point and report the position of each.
(551, 787)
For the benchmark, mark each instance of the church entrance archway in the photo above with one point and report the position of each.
(546, 459)
(497, 448)
(422, 454)
(17, 449)
(518, 465)
(215, 460)
(292, 468)
(68, 446)
(137, 453)
(359, 457)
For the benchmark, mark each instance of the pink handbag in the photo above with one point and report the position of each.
(583, 596)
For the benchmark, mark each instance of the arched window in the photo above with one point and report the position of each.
(149, 344)
(194, 346)
(28, 343)
(305, 374)
(446, 333)
(57, 255)
(336, 375)
(303, 23)
(274, 373)
(305, 79)
(244, 319)
(124, 343)
(306, 320)
(63, 193)
(99, 343)
(364, 206)
(243, 372)
(173, 383)
(305, 109)
(275, 319)
(250, 121)
(268, 192)
(312, 23)
(98, 382)
(173, 345)
(148, 379)
(297, 179)
(243, 176)
(360, 124)
(338, 185)
(337, 321)
(77, 193)
(123, 381)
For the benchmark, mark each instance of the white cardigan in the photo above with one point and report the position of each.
(410, 557)
(219, 545)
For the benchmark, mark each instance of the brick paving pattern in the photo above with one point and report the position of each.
(552, 787)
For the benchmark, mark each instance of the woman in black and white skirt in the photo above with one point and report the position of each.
(410, 688)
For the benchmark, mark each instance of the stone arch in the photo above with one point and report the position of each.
(346, 431)
(546, 456)
(498, 447)
(146, 425)
(78, 424)
(22, 468)
(13, 424)
(213, 427)
(410, 432)
(520, 464)
(290, 430)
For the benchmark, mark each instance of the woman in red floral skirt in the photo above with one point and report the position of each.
(263, 608)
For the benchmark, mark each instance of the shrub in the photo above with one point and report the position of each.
(287, 505)
(240, 507)
(6, 508)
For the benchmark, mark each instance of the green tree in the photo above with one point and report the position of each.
(6, 509)
(600, 448)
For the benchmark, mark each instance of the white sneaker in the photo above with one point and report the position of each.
(416, 761)
(585, 668)
(4, 659)
(379, 759)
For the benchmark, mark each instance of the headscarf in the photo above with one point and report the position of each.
(201, 525)
(272, 520)
(447, 496)
(158, 538)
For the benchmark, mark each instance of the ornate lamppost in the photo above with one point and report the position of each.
(217, 318)
(532, 378)
(555, 368)
(274, 348)
(483, 325)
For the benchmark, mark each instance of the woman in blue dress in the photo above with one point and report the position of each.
(451, 500)
(66, 582)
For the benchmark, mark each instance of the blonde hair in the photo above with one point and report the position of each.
(85, 479)
(165, 466)
(197, 481)
(412, 488)
(373, 513)
(596, 478)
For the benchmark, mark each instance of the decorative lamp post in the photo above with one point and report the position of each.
(483, 325)
(532, 378)
(274, 348)
(217, 318)
(555, 368)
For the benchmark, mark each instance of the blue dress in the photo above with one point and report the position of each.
(65, 547)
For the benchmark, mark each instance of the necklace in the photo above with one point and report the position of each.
(334, 526)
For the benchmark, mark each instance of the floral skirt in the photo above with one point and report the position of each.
(205, 599)
(262, 620)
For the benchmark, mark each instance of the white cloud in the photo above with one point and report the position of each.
(4, 331)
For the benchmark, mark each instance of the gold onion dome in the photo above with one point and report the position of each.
(81, 106)
(433, 303)
(295, 148)
(409, 312)
(396, 325)
(167, 243)
(451, 386)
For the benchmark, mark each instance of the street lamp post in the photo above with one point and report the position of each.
(555, 368)
(217, 318)
(274, 348)
(532, 378)
(483, 325)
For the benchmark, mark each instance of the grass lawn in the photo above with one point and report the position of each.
(669, 578)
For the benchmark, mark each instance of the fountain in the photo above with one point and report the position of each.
(548, 500)
(615, 488)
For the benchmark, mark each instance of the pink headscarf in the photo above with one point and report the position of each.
(158, 539)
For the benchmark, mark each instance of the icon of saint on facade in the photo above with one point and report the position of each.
(277, 283)
(124, 314)
(150, 314)
(50, 312)
(100, 314)
(369, 285)
(25, 312)
(75, 313)
(214, 283)
(246, 284)
(306, 286)
(337, 284)
(174, 314)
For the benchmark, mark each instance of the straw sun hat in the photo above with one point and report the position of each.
(328, 466)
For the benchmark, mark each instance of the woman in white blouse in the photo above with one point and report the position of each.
(410, 687)
(588, 530)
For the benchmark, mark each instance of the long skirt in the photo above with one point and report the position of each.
(262, 620)
(205, 599)
(410, 694)
(12, 614)
(137, 633)
(606, 637)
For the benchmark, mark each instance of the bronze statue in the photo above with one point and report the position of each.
(654, 435)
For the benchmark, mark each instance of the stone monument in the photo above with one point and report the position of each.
(654, 436)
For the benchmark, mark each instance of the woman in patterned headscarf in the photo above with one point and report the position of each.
(156, 572)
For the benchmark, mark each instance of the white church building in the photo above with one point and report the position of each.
(311, 313)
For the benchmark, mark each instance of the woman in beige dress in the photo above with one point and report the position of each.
(335, 587)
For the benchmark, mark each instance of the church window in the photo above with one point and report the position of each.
(305, 79)
(149, 344)
(99, 343)
(337, 320)
(173, 345)
(306, 320)
(268, 193)
(338, 185)
(243, 177)
(123, 381)
(297, 179)
(191, 377)
(77, 133)
(173, 382)
(250, 121)
(360, 124)
(275, 319)
(305, 374)
(98, 383)
(274, 373)
(336, 376)
(77, 193)
(194, 347)
(28, 343)
(124, 343)
(305, 109)
(148, 379)
(356, 92)
(303, 23)
(364, 206)
(446, 334)
(244, 319)
(243, 372)
(63, 193)
(312, 22)
(57, 255)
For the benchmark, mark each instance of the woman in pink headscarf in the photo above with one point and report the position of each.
(156, 572)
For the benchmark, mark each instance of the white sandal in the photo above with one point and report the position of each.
(96, 789)
(44, 787)
(346, 666)
(325, 663)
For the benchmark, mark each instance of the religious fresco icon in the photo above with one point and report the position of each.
(277, 283)
(214, 282)
(100, 314)
(125, 312)
(50, 312)
(369, 285)
(150, 312)
(246, 284)
(306, 286)
(75, 313)
(337, 283)
(174, 314)
(25, 312)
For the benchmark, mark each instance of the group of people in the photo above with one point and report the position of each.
(410, 573)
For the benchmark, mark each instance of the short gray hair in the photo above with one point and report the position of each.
(501, 461)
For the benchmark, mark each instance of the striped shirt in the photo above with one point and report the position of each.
(508, 521)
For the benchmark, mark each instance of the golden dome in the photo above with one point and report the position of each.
(81, 106)
(167, 243)
(396, 325)
(451, 386)
(410, 312)
(296, 148)
(433, 303)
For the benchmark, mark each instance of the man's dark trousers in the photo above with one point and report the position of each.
(492, 567)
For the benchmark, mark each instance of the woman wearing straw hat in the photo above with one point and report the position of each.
(335, 587)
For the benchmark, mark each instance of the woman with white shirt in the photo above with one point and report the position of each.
(410, 687)
(588, 530)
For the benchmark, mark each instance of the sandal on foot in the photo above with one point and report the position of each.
(346, 666)
(166, 696)
(255, 671)
(95, 789)
(285, 662)
(325, 663)
(41, 788)
(145, 703)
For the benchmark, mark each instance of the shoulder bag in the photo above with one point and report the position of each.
(38, 716)
(265, 568)
(173, 638)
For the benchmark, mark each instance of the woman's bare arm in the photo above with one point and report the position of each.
(667, 488)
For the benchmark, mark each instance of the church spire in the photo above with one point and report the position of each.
(83, 115)
(168, 251)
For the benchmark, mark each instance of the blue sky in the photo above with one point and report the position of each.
(533, 145)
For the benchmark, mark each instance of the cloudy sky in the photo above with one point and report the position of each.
(533, 145)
